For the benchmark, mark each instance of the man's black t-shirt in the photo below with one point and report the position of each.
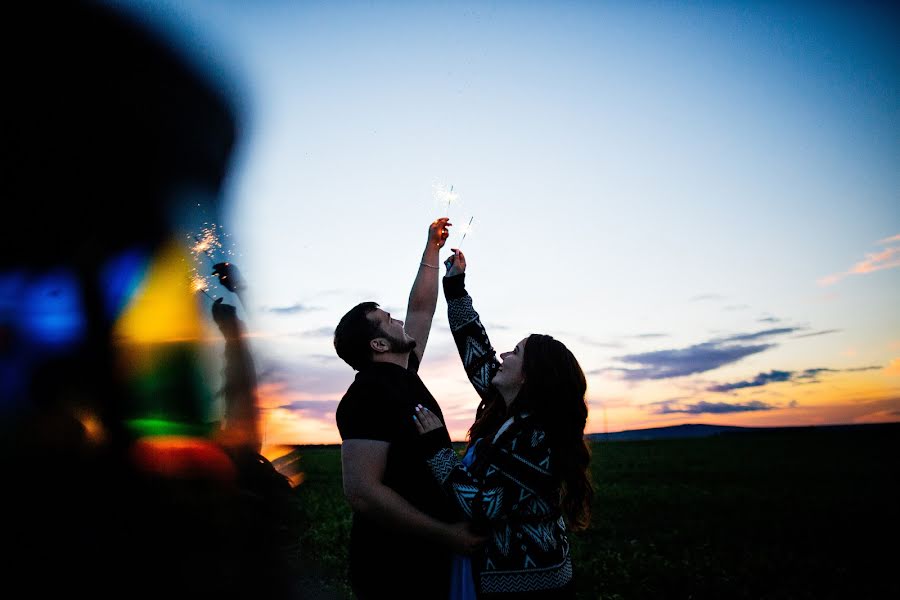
(379, 405)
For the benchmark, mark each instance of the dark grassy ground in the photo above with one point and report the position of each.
(772, 515)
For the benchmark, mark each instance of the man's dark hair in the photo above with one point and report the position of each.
(353, 334)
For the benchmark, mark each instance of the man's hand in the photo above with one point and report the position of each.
(462, 539)
(438, 233)
(229, 276)
(456, 263)
(426, 420)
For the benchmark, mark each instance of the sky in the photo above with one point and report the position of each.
(700, 199)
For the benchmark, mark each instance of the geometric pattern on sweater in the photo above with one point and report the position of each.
(465, 495)
(502, 538)
(542, 534)
(536, 506)
(541, 469)
(474, 354)
(442, 463)
(460, 312)
(536, 438)
(548, 578)
(493, 500)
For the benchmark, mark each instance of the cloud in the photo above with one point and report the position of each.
(664, 364)
(876, 261)
(746, 337)
(814, 373)
(308, 378)
(290, 310)
(650, 336)
(802, 377)
(893, 368)
(769, 320)
(597, 344)
(314, 409)
(815, 333)
(703, 297)
(737, 307)
(669, 407)
(325, 331)
(759, 380)
(887, 258)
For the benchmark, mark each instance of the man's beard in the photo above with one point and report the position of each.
(400, 345)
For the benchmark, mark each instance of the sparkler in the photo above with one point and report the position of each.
(444, 198)
(466, 231)
(199, 284)
(206, 243)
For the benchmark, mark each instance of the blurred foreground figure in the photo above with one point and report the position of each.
(114, 481)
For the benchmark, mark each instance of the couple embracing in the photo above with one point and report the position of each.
(428, 523)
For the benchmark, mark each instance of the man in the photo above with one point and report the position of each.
(402, 534)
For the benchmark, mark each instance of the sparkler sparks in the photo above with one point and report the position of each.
(203, 247)
(444, 197)
(200, 284)
(207, 242)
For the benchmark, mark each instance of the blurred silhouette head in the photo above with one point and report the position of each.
(112, 134)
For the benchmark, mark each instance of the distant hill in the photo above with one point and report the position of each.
(697, 430)
(657, 433)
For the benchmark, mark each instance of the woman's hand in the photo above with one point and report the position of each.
(426, 420)
(455, 264)
(438, 232)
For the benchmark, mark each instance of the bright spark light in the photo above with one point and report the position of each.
(199, 283)
(204, 248)
(207, 242)
(444, 197)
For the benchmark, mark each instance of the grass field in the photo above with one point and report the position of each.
(798, 513)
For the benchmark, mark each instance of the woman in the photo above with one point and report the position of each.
(525, 478)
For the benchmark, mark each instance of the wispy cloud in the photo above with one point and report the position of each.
(669, 407)
(650, 336)
(893, 368)
(765, 333)
(813, 374)
(769, 320)
(664, 364)
(759, 380)
(597, 343)
(887, 258)
(815, 333)
(293, 309)
(314, 409)
(733, 307)
(702, 297)
(798, 377)
(678, 362)
(325, 331)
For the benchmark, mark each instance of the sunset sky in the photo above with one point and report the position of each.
(701, 201)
